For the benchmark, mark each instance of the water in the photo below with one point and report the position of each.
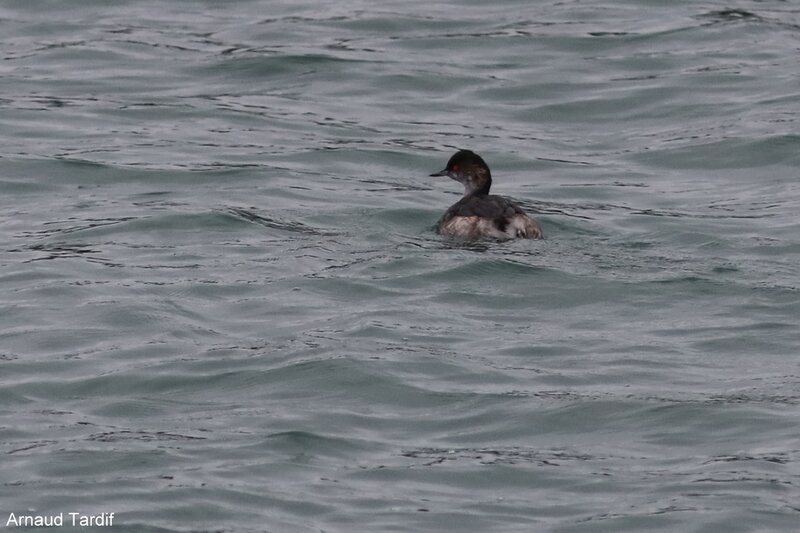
(224, 307)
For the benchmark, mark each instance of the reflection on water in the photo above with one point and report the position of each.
(221, 280)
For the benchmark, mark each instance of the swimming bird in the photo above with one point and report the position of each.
(478, 213)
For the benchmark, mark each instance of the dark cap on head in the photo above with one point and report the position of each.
(462, 160)
(470, 169)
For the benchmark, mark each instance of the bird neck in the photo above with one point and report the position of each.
(479, 184)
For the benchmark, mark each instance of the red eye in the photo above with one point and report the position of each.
(456, 167)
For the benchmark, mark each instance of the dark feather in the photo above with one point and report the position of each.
(484, 206)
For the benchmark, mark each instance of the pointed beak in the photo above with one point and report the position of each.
(440, 173)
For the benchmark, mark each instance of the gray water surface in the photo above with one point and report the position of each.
(223, 306)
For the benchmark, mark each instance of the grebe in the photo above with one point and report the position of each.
(478, 213)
